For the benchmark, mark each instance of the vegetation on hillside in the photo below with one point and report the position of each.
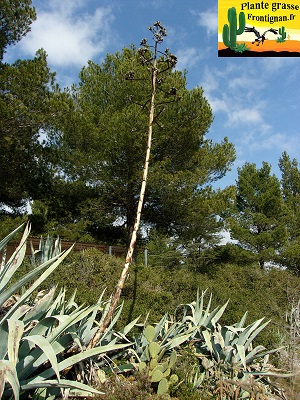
(77, 157)
(192, 349)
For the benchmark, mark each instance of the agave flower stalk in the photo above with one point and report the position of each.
(159, 33)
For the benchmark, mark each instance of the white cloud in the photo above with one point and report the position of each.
(187, 58)
(245, 116)
(217, 104)
(209, 82)
(278, 140)
(69, 36)
(209, 20)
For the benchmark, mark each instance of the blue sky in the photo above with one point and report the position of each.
(255, 101)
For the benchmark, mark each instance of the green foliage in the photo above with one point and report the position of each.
(9, 222)
(55, 214)
(36, 333)
(16, 17)
(222, 352)
(29, 104)
(231, 31)
(228, 360)
(104, 138)
(158, 289)
(159, 372)
(290, 184)
(153, 350)
(162, 251)
(282, 32)
(257, 221)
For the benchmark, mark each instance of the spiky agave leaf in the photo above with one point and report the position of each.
(8, 374)
(31, 336)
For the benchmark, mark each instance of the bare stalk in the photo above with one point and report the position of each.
(128, 260)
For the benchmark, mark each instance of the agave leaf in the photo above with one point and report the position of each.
(218, 352)
(254, 353)
(177, 341)
(5, 241)
(64, 383)
(217, 314)
(255, 333)
(3, 340)
(60, 345)
(226, 333)
(261, 355)
(179, 329)
(218, 338)
(40, 308)
(14, 263)
(129, 326)
(228, 353)
(41, 394)
(15, 332)
(113, 322)
(273, 374)
(160, 326)
(243, 337)
(123, 332)
(43, 277)
(208, 340)
(85, 329)
(241, 323)
(199, 307)
(70, 361)
(71, 302)
(57, 307)
(47, 349)
(241, 352)
(66, 321)
(5, 295)
(198, 379)
(201, 321)
(8, 374)
(43, 326)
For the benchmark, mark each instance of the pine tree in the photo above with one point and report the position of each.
(16, 16)
(290, 184)
(257, 222)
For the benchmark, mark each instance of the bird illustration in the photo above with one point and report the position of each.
(260, 38)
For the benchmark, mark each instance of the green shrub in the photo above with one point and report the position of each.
(157, 290)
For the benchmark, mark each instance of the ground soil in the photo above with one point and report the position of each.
(270, 48)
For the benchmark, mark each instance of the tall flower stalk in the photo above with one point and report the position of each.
(159, 33)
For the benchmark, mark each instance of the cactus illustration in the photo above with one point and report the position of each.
(231, 31)
(283, 35)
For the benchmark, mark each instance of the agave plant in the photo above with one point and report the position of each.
(230, 364)
(198, 316)
(41, 339)
(48, 249)
(154, 348)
